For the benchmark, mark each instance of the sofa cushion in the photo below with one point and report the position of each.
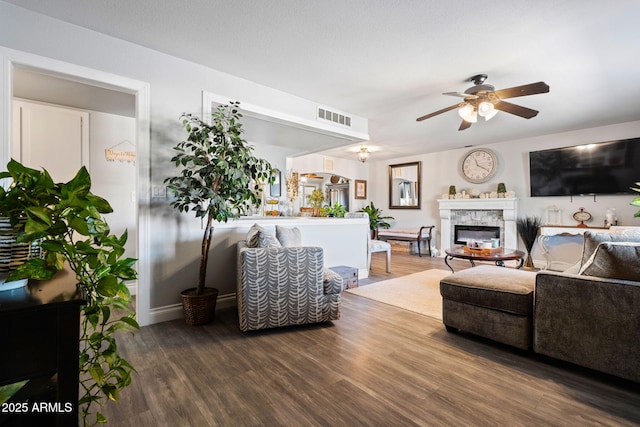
(616, 234)
(614, 260)
(498, 288)
(288, 237)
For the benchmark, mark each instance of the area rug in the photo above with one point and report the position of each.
(418, 292)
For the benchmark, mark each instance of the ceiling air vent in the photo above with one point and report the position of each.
(332, 116)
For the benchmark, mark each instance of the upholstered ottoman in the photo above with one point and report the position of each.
(490, 301)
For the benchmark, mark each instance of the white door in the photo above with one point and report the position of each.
(57, 139)
(53, 138)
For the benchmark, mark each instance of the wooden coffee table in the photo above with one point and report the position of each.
(499, 256)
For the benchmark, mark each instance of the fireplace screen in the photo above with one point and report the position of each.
(464, 233)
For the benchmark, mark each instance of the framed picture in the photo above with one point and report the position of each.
(275, 188)
(360, 189)
(328, 165)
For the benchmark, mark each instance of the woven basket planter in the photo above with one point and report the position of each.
(13, 254)
(199, 309)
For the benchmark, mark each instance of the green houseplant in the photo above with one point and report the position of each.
(67, 221)
(376, 219)
(218, 176)
(315, 200)
(636, 200)
(337, 210)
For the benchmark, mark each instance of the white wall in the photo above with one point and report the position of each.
(439, 170)
(115, 180)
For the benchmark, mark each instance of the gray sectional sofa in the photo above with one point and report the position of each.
(590, 321)
(589, 316)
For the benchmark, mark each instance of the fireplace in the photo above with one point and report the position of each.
(498, 212)
(463, 233)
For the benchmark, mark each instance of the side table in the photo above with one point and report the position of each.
(546, 232)
(349, 275)
(40, 343)
(497, 256)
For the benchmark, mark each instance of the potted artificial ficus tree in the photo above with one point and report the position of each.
(219, 176)
(66, 220)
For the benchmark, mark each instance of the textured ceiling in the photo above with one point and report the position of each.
(390, 60)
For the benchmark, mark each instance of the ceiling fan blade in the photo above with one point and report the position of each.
(524, 90)
(461, 95)
(518, 110)
(444, 110)
(464, 125)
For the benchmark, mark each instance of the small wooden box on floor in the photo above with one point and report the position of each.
(349, 275)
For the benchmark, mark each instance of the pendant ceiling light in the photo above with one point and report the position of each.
(363, 154)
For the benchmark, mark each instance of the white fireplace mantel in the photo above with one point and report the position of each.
(508, 206)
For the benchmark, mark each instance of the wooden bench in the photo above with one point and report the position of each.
(423, 234)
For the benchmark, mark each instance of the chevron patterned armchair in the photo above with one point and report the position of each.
(281, 286)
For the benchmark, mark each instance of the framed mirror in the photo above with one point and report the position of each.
(404, 185)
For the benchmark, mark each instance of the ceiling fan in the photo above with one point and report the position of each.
(484, 101)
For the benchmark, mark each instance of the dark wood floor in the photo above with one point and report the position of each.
(377, 366)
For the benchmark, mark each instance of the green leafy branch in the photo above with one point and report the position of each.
(636, 201)
(66, 219)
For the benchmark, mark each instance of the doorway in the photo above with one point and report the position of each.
(81, 78)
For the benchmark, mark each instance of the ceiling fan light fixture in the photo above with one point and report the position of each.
(363, 154)
(468, 113)
(482, 99)
(487, 110)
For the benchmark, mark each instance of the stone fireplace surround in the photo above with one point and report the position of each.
(500, 212)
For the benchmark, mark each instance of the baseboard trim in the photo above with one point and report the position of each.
(174, 311)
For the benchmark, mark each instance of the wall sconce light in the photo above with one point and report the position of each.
(363, 154)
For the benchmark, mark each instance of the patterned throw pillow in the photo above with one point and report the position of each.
(258, 237)
(614, 260)
(267, 240)
(288, 237)
(252, 235)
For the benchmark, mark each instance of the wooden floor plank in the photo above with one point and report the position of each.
(378, 365)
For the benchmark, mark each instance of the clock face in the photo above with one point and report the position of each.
(582, 215)
(479, 165)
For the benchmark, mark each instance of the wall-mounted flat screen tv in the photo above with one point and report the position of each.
(605, 168)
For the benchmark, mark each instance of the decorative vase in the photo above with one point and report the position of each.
(528, 262)
(199, 309)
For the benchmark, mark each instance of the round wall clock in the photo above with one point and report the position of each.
(581, 216)
(479, 165)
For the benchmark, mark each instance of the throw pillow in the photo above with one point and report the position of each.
(252, 235)
(288, 237)
(258, 237)
(267, 240)
(614, 260)
(593, 239)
